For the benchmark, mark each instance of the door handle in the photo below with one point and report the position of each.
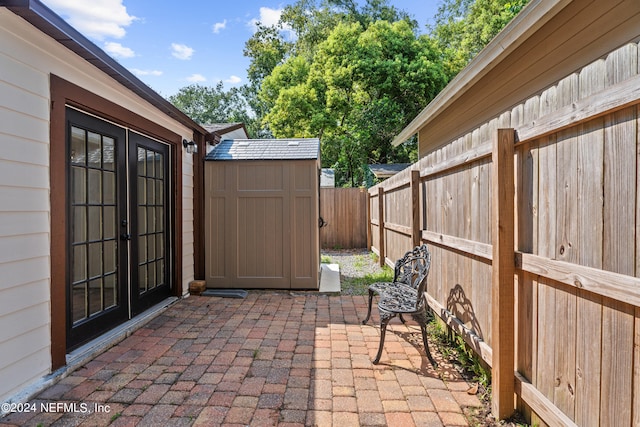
(125, 236)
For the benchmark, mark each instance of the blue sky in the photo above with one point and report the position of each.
(172, 45)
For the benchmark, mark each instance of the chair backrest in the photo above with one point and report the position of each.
(413, 268)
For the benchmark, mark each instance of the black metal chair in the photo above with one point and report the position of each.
(398, 277)
(407, 296)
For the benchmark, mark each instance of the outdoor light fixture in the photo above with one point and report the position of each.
(190, 146)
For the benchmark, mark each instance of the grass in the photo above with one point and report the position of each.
(359, 285)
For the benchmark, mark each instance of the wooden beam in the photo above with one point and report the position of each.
(415, 208)
(402, 229)
(619, 287)
(381, 225)
(609, 100)
(470, 337)
(542, 406)
(470, 247)
(470, 156)
(503, 269)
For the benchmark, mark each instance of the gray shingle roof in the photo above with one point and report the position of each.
(266, 149)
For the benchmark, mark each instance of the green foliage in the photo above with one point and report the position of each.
(361, 88)
(212, 104)
(464, 27)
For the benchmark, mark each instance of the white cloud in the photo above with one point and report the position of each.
(139, 72)
(219, 26)
(234, 80)
(118, 51)
(196, 78)
(181, 51)
(97, 19)
(269, 17)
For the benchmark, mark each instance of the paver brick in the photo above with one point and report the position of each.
(268, 360)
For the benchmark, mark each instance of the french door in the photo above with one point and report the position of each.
(119, 225)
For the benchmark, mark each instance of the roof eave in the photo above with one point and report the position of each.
(528, 21)
(47, 21)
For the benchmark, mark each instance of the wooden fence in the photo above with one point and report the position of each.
(533, 222)
(345, 212)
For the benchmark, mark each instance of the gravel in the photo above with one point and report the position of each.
(355, 266)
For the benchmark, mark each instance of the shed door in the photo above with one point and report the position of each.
(261, 225)
(118, 225)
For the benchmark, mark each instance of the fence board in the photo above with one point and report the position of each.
(345, 212)
(578, 221)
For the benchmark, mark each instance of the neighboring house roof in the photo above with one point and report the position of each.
(327, 177)
(222, 128)
(45, 20)
(387, 170)
(266, 149)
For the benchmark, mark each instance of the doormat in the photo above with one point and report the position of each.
(225, 293)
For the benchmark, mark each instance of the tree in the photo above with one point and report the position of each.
(464, 27)
(207, 104)
(361, 88)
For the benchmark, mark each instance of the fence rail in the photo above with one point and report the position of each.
(561, 231)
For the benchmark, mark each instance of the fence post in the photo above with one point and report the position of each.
(415, 208)
(369, 231)
(502, 274)
(381, 225)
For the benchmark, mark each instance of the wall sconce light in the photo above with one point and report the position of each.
(190, 146)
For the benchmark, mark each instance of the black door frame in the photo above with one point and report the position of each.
(130, 302)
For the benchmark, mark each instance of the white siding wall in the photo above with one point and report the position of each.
(27, 57)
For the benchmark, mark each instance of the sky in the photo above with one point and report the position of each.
(171, 45)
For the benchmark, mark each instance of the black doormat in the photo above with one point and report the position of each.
(225, 293)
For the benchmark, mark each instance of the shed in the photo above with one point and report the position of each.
(262, 213)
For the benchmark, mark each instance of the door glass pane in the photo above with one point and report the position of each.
(142, 220)
(159, 165)
(79, 229)
(108, 153)
(142, 164)
(79, 184)
(95, 259)
(142, 278)
(109, 188)
(110, 256)
(95, 186)
(95, 296)
(149, 156)
(95, 223)
(110, 291)
(142, 190)
(110, 222)
(79, 302)
(79, 263)
(78, 146)
(94, 148)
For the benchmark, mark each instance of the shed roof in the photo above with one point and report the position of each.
(266, 149)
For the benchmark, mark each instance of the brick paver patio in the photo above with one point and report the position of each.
(273, 358)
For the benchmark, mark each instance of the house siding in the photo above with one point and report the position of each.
(27, 58)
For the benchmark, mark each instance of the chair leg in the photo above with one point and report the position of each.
(421, 318)
(384, 321)
(402, 319)
(364, 322)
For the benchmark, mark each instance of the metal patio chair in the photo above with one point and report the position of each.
(399, 276)
(407, 296)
